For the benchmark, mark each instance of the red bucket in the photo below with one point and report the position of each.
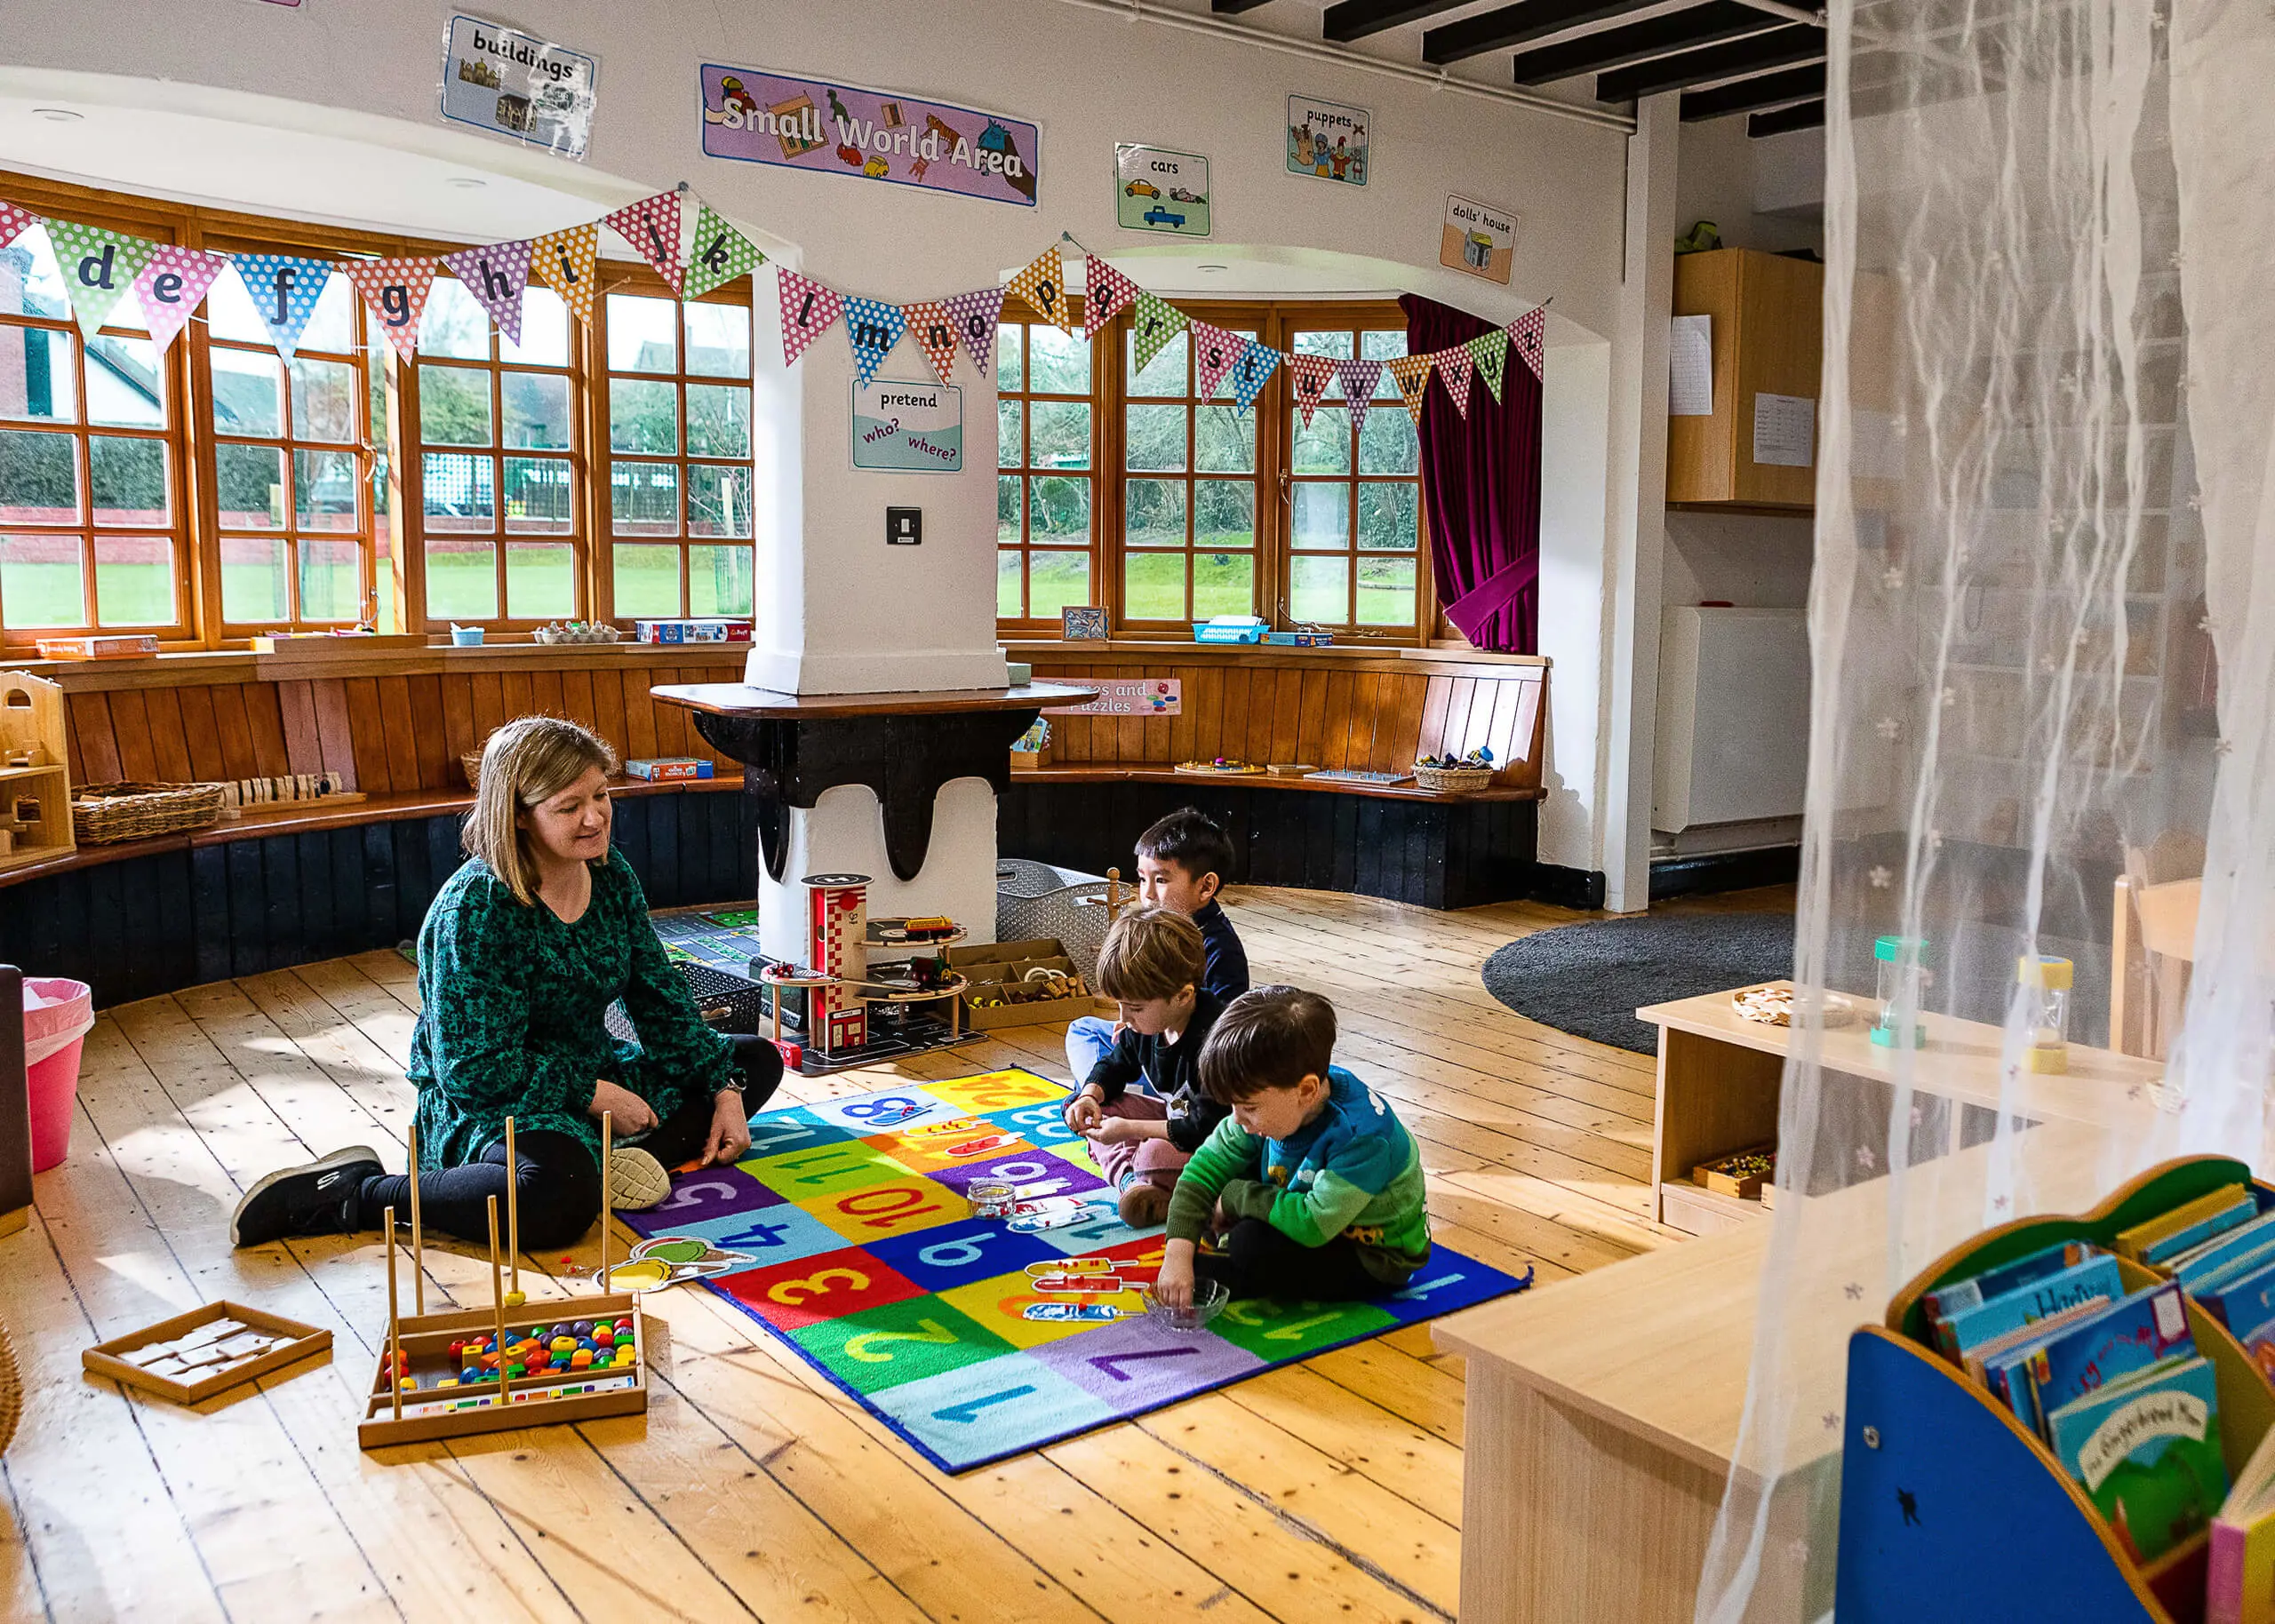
(57, 1015)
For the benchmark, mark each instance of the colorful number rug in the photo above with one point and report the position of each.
(967, 1336)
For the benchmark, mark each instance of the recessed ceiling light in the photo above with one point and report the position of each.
(465, 183)
(1211, 268)
(58, 116)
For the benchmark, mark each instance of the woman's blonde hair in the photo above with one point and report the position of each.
(525, 762)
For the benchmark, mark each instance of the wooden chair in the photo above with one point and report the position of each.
(2152, 944)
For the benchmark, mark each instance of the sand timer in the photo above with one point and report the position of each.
(2044, 981)
(1901, 961)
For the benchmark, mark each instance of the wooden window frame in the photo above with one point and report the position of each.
(1092, 548)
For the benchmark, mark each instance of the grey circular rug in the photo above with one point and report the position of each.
(1589, 980)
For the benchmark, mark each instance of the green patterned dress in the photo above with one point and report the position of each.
(513, 1001)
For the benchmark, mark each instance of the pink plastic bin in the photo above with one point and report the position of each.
(58, 1017)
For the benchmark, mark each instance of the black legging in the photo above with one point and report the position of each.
(1260, 1262)
(558, 1183)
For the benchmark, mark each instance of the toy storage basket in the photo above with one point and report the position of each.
(1459, 780)
(1034, 900)
(101, 813)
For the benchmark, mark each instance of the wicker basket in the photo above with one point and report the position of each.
(1453, 780)
(101, 813)
(12, 1392)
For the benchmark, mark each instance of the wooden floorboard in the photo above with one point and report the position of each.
(754, 1489)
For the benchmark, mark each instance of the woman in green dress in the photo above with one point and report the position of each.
(523, 951)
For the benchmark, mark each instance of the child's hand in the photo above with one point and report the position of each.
(1120, 1130)
(1084, 1112)
(1173, 1287)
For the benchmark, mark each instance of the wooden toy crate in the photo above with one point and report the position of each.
(432, 1413)
(110, 1358)
(35, 776)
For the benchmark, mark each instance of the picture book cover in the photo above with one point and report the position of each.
(2223, 1249)
(2232, 1199)
(2096, 1277)
(2218, 1274)
(2240, 1578)
(2246, 1303)
(2181, 1242)
(1999, 1365)
(2145, 1329)
(2148, 1452)
(1976, 1290)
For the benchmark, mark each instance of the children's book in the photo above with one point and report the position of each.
(2148, 1452)
(2094, 1352)
(2246, 1303)
(2232, 1199)
(2239, 1582)
(2225, 1222)
(1998, 1365)
(2203, 1280)
(2096, 1277)
(2194, 1266)
(1961, 1295)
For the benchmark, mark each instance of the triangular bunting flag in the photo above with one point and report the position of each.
(1527, 333)
(808, 308)
(285, 290)
(651, 226)
(98, 266)
(1042, 285)
(170, 287)
(936, 332)
(1214, 353)
(1413, 375)
(975, 316)
(1453, 372)
(1491, 352)
(1359, 380)
(395, 292)
(566, 261)
(14, 222)
(720, 254)
(497, 274)
(1309, 376)
(1156, 322)
(872, 327)
(1256, 365)
(1105, 293)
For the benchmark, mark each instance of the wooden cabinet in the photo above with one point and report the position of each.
(1767, 335)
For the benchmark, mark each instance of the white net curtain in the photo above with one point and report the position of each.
(2043, 623)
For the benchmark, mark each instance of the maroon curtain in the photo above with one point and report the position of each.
(1480, 483)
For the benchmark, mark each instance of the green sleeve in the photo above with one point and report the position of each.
(477, 966)
(1321, 1213)
(680, 1057)
(1229, 1153)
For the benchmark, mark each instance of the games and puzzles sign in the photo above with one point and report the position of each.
(754, 117)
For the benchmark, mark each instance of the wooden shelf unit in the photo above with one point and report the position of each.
(31, 721)
(1768, 338)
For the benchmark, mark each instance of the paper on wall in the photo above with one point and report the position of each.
(1784, 431)
(1690, 360)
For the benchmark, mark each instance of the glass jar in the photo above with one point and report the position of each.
(1902, 964)
(2045, 980)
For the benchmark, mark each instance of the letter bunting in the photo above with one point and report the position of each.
(394, 291)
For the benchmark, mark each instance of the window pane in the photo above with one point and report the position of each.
(1383, 346)
(718, 420)
(537, 409)
(1153, 586)
(1323, 517)
(1010, 348)
(36, 378)
(331, 579)
(1007, 508)
(545, 343)
(1058, 363)
(40, 583)
(324, 400)
(461, 579)
(35, 287)
(1007, 585)
(1155, 437)
(454, 326)
(454, 406)
(325, 488)
(1223, 513)
(718, 500)
(39, 478)
(1390, 517)
(1387, 444)
(248, 391)
(647, 580)
(1055, 580)
(1222, 583)
(1165, 374)
(1335, 344)
(459, 493)
(719, 580)
(537, 499)
(1061, 510)
(127, 479)
(643, 500)
(1154, 513)
(1222, 443)
(1008, 442)
(540, 580)
(134, 580)
(1061, 431)
(253, 586)
(332, 327)
(125, 387)
(1321, 588)
(230, 313)
(1323, 448)
(643, 336)
(718, 340)
(250, 480)
(1386, 592)
(643, 416)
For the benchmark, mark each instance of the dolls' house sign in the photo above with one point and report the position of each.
(908, 428)
(754, 117)
(1479, 238)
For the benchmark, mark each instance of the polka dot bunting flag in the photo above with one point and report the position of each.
(1491, 352)
(98, 266)
(1526, 334)
(651, 226)
(14, 222)
(1309, 376)
(1256, 365)
(565, 262)
(1042, 285)
(975, 315)
(807, 309)
(873, 328)
(1413, 375)
(170, 286)
(935, 330)
(1453, 372)
(1359, 380)
(395, 291)
(285, 290)
(1214, 353)
(1156, 322)
(497, 274)
(1105, 291)
(719, 254)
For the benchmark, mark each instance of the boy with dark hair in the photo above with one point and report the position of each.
(1150, 965)
(1320, 1184)
(1182, 861)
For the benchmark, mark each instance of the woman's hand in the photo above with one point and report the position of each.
(632, 1114)
(730, 1130)
(1085, 1111)
(1173, 1287)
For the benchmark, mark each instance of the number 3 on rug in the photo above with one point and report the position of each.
(790, 1293)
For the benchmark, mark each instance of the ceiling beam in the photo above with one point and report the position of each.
(1751, 95)
(1517, 24)
(1350, 19)
(1800, 115)
(1778, 48)
(1233, 8)
(1639, 42)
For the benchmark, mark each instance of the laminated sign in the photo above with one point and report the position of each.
(908, 428)
(513, 85)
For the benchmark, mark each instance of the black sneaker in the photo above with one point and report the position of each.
(319, 1198)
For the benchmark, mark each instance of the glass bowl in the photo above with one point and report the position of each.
(1208, 1300)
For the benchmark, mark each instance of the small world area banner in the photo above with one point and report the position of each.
(753, 116)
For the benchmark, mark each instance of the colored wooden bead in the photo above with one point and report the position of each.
(515, 1373)
(583, 1327)
(448, 1382)
(580, 1360)
(470, 1375)
(565, 1344)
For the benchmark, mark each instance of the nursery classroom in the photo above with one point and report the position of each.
(1125, 810)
